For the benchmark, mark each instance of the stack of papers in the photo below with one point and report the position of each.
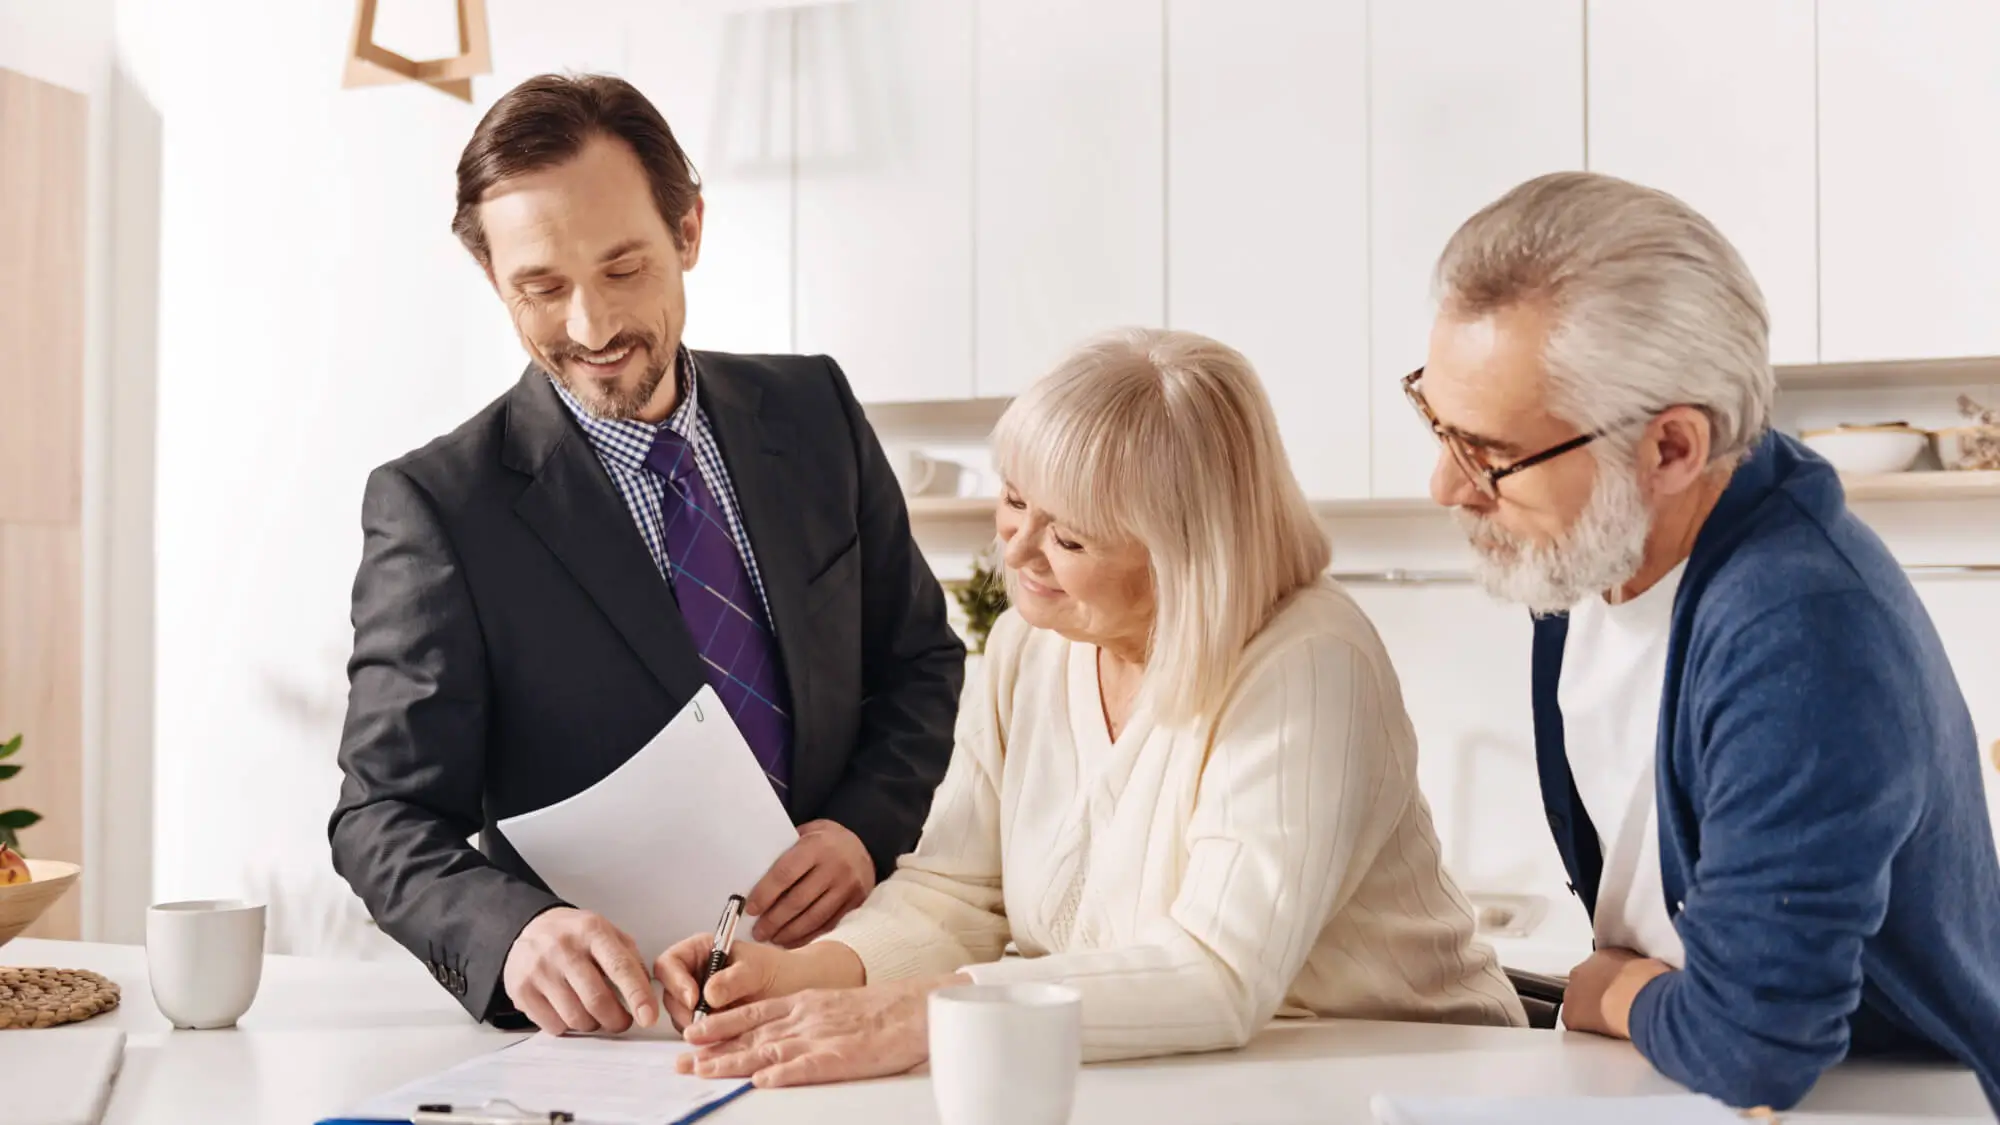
(601, 1081)
(1679, 1109)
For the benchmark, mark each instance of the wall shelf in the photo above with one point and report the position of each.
(933, 510)
(1923, 486)
(1891, 374)
(951, 509)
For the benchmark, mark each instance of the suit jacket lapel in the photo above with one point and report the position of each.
(573, 507)
(753, 443)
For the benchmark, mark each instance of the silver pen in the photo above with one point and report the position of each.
(718, 950)
(492, 1113)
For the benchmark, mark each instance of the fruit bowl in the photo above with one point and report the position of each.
(22, 903)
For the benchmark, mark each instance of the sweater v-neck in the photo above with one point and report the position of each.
(1105, 763)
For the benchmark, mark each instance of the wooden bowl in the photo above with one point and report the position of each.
(22, 903)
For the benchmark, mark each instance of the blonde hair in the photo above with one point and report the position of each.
(1167, 439)
(1654, 308)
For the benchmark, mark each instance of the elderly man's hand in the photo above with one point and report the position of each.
(1603, 989)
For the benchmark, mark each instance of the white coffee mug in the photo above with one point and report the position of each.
(1005, 1054)
(205, 959)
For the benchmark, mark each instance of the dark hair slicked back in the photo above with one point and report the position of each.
(547, 120)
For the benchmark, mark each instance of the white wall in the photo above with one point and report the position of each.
(313, 323)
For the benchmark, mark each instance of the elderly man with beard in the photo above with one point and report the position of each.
(1757, 765)
(546, 587)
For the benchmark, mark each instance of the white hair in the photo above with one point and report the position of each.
(1168, 440)
(1653, 308)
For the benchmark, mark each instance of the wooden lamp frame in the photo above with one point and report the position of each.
(372, 65)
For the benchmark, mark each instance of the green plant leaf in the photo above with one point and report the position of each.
(8, 747)
(8, 838)
(18, 819)
(8, 771)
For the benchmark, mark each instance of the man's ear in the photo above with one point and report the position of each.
(690, 228)
(1674, 454)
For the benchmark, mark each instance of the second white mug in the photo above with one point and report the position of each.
(920, 474)
(1005, 1054)
(205, 959)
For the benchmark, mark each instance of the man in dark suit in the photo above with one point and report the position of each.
(544, 588)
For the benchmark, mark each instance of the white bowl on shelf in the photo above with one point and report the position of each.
(1866, 450)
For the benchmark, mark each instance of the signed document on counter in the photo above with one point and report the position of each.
(600, 1081)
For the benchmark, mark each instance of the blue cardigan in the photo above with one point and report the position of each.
(1824, 840)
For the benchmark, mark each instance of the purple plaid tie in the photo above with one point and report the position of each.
(722, 609)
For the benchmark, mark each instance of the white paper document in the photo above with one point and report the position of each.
(58, 1076)
(601, 1081)
(658, 846)
(1676, 1109)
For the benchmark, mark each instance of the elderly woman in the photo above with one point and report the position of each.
(1184, 781)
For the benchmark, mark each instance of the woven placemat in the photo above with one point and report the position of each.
(47, 997)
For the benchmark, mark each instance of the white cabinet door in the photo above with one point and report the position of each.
(722, 77)
(1069, 184)
(1267, 221)
(1909, 171)
(885, 194)
(1468, 99)
(1713, 101)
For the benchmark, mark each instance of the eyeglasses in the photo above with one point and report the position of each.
(1484, 477)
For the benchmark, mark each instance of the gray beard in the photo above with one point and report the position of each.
(1602, 551)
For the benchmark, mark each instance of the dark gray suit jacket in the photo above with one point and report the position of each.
(514, 644)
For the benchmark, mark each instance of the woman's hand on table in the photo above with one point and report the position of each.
(755, 972)
(822, 1035)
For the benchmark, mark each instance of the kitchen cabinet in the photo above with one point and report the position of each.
(1909, 171)
(1713, 101)
(1069, 186)
(1267, 217)
(723, 78)
(884, 180)
(1467, 99)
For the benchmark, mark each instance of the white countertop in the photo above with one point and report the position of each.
(325, 1034)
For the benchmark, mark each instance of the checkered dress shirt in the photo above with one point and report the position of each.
(622, 447)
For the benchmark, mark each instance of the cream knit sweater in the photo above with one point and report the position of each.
(1190, 883)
